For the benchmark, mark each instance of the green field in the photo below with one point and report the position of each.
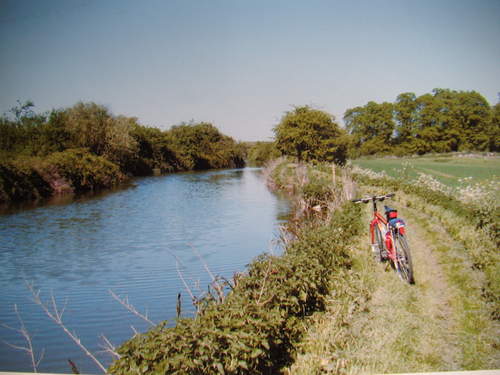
(449, 169)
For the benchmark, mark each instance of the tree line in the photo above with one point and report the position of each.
(442, 121)
(85, 147)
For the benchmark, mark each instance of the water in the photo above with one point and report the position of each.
(126, 241)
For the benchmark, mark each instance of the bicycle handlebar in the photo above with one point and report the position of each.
(374, 198)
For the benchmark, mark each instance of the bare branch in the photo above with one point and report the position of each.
(193, 298)
(134, 330)
(216, 281)
(205, 265)
(22, 348)
(109, 348)
(125, 303)
(56, 316)
(27, 337)
(264, 281)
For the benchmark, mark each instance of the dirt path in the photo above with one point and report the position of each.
(438, 324)
(407, 328)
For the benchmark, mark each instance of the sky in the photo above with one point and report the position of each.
(242, 64)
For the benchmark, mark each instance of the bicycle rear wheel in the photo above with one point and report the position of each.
(403, 256)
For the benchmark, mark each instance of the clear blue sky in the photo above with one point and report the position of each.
(242, 64)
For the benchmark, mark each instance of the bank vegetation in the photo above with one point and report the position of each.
(85, 148)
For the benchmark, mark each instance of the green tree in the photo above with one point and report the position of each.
(405, 113)
(261, 152)
(310, 134)
(460, 120)
(88, 124)
(473, 115)
(371, 127)
(495, 128)
(21, 129)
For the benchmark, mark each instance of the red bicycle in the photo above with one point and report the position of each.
(388, 239)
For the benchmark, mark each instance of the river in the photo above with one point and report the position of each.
(126, 241)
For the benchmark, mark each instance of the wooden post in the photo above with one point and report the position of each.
(333, 174)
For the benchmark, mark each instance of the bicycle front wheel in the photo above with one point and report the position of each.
(380, 244)
(403, 256)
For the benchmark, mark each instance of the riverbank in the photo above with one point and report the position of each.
(74, 171)
(254, 328)
(86, 148)
(70, 171)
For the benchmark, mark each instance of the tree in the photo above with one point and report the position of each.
(405, 113)
(495, 128)
(473, 115)
(88, 125)
(461, 120)
(310, 134)
(371, 126)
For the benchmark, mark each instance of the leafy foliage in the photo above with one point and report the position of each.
(73, 170)
(202, 146)
(259, 153)
(310, 134)
(372, 127)
(127, 147)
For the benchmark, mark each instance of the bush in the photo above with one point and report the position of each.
(74, 170)
(19, 181)
(82, 170)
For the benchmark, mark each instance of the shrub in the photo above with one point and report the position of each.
(19, 181)
(74, 170)
(83, 170)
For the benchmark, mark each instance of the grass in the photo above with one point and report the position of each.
(386, 326)
(476, 332)
(449, 169)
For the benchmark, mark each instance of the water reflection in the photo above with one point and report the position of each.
(127, 241)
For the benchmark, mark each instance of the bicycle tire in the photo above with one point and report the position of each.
(380, 243)
(404, 262)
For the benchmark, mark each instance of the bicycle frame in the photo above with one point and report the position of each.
(380, 221)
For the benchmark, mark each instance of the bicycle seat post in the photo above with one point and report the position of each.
(374, 199)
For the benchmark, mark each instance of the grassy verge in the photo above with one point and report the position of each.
(255, 327)
(474, 223)
(444, 322)
(476, 330)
